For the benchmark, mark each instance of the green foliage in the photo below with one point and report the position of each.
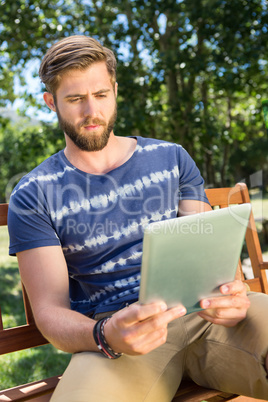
(22, 148)
(192, 71)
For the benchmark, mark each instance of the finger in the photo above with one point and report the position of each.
(236, 301)
(233, 288)
(223, 317)
(224, 314)
(152, 324)
(147, 343)
(158, 321)
(137, 312)
(218, 321)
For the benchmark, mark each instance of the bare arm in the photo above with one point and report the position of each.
(134, 330)
(45, 276)
(188, 207)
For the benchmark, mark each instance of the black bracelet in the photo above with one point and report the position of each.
(98, 334)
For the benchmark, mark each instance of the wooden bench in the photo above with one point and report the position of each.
(28, 336)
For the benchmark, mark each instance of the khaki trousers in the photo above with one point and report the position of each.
(228, 359)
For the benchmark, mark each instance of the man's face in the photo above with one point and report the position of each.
(86, 106)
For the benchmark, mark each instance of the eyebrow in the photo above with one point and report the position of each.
(101, 91)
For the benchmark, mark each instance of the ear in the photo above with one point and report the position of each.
(115, 89)
(49, 99)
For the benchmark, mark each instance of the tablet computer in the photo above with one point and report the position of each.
(188, 258)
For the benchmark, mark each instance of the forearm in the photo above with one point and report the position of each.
(65, 329)
(133, 330)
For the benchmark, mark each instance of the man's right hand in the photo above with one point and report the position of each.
(139, 329)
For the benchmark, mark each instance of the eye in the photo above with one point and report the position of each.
(73, 100)
(101, 96)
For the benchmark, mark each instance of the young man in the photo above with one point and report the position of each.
(76, 225)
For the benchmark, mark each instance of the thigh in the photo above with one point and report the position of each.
(232, 359)
(151, 378)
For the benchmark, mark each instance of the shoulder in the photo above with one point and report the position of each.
(49, 170)
(151, 147)
(151, 144)
(163, 149)
(54, 164)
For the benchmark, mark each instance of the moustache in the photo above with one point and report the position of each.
(92, 122)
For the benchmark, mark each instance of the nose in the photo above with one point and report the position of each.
(90, 108)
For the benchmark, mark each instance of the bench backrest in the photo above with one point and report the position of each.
(26, 336)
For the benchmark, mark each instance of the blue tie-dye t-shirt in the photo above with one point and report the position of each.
(98, 220)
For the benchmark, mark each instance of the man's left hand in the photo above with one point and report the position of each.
(227, 310)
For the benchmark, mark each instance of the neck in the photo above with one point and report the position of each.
(117, 151)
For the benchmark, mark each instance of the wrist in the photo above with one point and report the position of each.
(100, 340)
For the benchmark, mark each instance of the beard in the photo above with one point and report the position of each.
(90, 142)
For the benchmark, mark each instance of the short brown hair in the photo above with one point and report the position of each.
(75, 52)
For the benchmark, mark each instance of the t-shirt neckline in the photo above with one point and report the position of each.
(67, 162)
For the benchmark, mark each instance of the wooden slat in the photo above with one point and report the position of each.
(224, 196)
(191, 392)
(18, 338)
(27, 307)
(28, 391)
(242, 276)
(1, 321)
(3, 214)
(254, 284)
(248, 399)
(264, 265)
(253, 245)
(43, 398)
(255, 253)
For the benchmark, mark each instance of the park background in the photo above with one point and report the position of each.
(189, 71)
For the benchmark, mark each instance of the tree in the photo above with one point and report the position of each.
(189, 71)
(22, 148)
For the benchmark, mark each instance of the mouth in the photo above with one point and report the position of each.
(92, 127)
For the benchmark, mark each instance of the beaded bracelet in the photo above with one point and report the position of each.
(98, 334)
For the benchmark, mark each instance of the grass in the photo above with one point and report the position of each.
(46, 361)
(31, 365)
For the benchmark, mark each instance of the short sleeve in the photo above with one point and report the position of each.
(29, 223)
(191, 181)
